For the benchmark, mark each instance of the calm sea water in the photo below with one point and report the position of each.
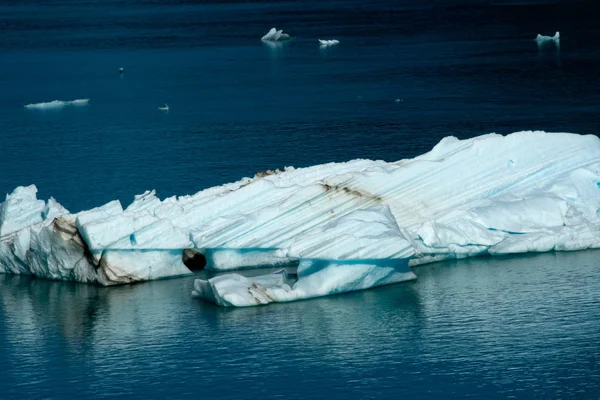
(520, 327)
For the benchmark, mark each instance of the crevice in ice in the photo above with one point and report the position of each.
(194, 260)
(509, 232)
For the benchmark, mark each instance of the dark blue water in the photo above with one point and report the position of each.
(238, 106)
(525, 327)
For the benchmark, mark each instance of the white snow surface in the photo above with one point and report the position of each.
(350, 226)
(57, 104)
(275, 35)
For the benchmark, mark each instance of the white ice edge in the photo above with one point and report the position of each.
(350, 225)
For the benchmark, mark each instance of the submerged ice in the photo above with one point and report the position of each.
(348, 226)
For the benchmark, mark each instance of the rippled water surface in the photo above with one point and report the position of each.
(524, 327)
(238, 106)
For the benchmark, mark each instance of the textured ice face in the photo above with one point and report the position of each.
(349, 225)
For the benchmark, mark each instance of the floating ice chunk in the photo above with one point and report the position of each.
(543, 40)
(328, 42)
(275, 35)
(237, 290)
(315, 278)
(165, 108)
(348, 226)
(58, 104)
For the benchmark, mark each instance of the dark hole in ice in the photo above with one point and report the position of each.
(194, 260)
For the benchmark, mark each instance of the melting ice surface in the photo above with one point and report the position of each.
(58, 104)
(348, 226)
(275, 35)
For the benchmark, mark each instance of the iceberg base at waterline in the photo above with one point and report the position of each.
(275, 35)
(314, 278)
(348, 226)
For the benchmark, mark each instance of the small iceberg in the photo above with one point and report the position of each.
(275, 35)
(57, 104)
(544, 40)
(165, 108)
(329, 42)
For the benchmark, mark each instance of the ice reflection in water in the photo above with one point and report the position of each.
(526, 326)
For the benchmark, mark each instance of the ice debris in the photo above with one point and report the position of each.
(58, 104)
(275, 35)
(544, 40)
(328, 42)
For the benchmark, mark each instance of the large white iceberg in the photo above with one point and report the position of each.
(348, 226)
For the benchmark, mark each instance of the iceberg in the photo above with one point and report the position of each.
(275, 35)
(327, 43)
(346, 226)
(545, 40)
(57, 104)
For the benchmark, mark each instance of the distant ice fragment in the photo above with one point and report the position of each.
(545, 40)
(57, 104)
(164, 108)
(275, 35)
(328, 42)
